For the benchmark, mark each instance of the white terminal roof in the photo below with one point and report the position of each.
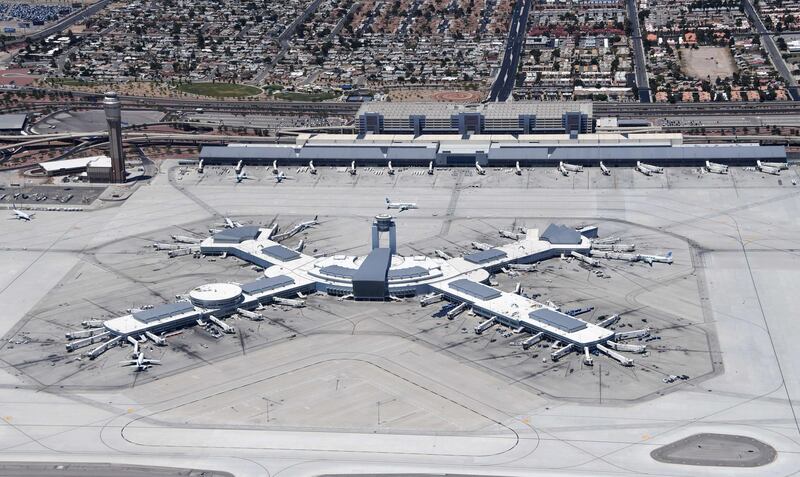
(445, 140)
(457, 277)
(441, 274)
(521, 311)
(72, 164)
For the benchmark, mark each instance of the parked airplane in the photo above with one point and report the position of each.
(289, 302)
(480, 245)
(309, 223)
(605, 170)
(311, 167)
(563, 170)
(200, 167)
(20, 215)
(430, 168)
(281, 176)
(352, 169)
(400, 205)
(442, 254)
(480, 169)
(141, 363)
(643, 169)
(185, 239)
(775, 171)
(650, 259)
(230, 224)
(777, 165)
(651, 168)
(295, 230)
(517, 169)
(509, 235)
(390, 169)
(716, 168)
(571, 167)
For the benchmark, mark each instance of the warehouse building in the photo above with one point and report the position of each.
(519, 117)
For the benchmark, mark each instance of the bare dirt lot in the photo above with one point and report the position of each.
(707, 62)
(447, 96)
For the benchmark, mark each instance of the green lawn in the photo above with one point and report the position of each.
(295, 96)
(219, 90)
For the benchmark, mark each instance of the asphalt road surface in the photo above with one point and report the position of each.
(642, 83)
(53, 469)
(775, 55)
(504, 83)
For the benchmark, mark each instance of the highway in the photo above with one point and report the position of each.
(639, 110)
(130, 137)
(772, 49)
(631, 110)
(639, 63)
(517, 32)
(99, 138)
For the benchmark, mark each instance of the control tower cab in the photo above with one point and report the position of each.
(384, 223)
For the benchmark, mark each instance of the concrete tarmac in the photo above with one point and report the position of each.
(28, 469)
(739, 234)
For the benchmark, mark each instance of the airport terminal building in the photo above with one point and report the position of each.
(379, 276)
(523, 117)
(614, 149)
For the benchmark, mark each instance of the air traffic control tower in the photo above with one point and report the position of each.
(371, 279)
(114, 119)
(383, 223)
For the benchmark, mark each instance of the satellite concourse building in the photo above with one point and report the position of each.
(380, 275)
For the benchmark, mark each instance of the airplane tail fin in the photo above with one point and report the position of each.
(669, 254)
(387, 200)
